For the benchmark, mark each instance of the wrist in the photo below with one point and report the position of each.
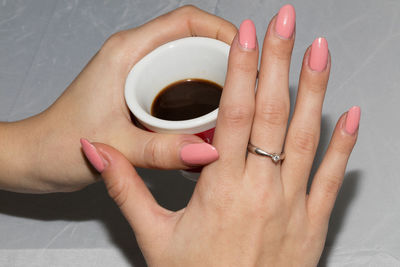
(19, 143)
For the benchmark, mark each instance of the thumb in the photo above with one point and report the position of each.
(126, 188)
(166, 151)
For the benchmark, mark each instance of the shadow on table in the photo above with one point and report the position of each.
(339, 213)
(170, 189)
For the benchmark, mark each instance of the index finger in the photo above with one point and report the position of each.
(183, 22)
(192, 21)
(236, 107)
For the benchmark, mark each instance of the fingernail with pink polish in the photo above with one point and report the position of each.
(98, 162)
(284, 25)
(247, 34)
(319, 54)
(198, 154)
(352, 120)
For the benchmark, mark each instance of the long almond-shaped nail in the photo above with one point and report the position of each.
(91, 153)
(247, 34)
(198, 154)
(352, 120)
(319, 54)
(284, 25)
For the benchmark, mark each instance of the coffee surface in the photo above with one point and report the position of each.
(186, 99)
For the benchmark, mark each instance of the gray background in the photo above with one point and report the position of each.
(45, 43)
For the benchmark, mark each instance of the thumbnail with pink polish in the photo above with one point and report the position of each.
(92, 155)
(198, 154)
(353, 119)
(319, 54)
(284, 25)
(247, 34)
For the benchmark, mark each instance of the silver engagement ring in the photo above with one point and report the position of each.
(258, 151)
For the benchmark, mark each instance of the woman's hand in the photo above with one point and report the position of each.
(42, 154)
(248, 210)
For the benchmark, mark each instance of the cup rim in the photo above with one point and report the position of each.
(204, 122)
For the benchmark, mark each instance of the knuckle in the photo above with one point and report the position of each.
(316, 88)
(343, 146)
(279, 51)
(265, 202)
(187, 9)
(115, 41)
(116, 191)
(151, 154)
(113, 47)
(305, 140)
(244, 68)
(237, 115)
(218, 197)
(264, 198)
(313, 83)
(331, 184)
(224, 201)
(273, 112)
(260, 201)
(182, 14)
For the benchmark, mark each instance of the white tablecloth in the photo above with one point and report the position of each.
(45, 43)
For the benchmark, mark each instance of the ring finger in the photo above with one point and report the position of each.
(272, 99)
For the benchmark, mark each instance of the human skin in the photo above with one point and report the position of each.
(42, 154)
(248, 210)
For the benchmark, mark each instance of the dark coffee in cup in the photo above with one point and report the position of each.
(186, 99)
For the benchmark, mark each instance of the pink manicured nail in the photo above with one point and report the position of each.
(92, 155)
(284, 25)
(319, 54)
(352, 119)
(198, 154)
(247, 34)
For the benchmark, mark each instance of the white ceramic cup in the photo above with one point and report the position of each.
(191, 57)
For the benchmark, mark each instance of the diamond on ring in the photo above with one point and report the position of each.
(275, 157)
